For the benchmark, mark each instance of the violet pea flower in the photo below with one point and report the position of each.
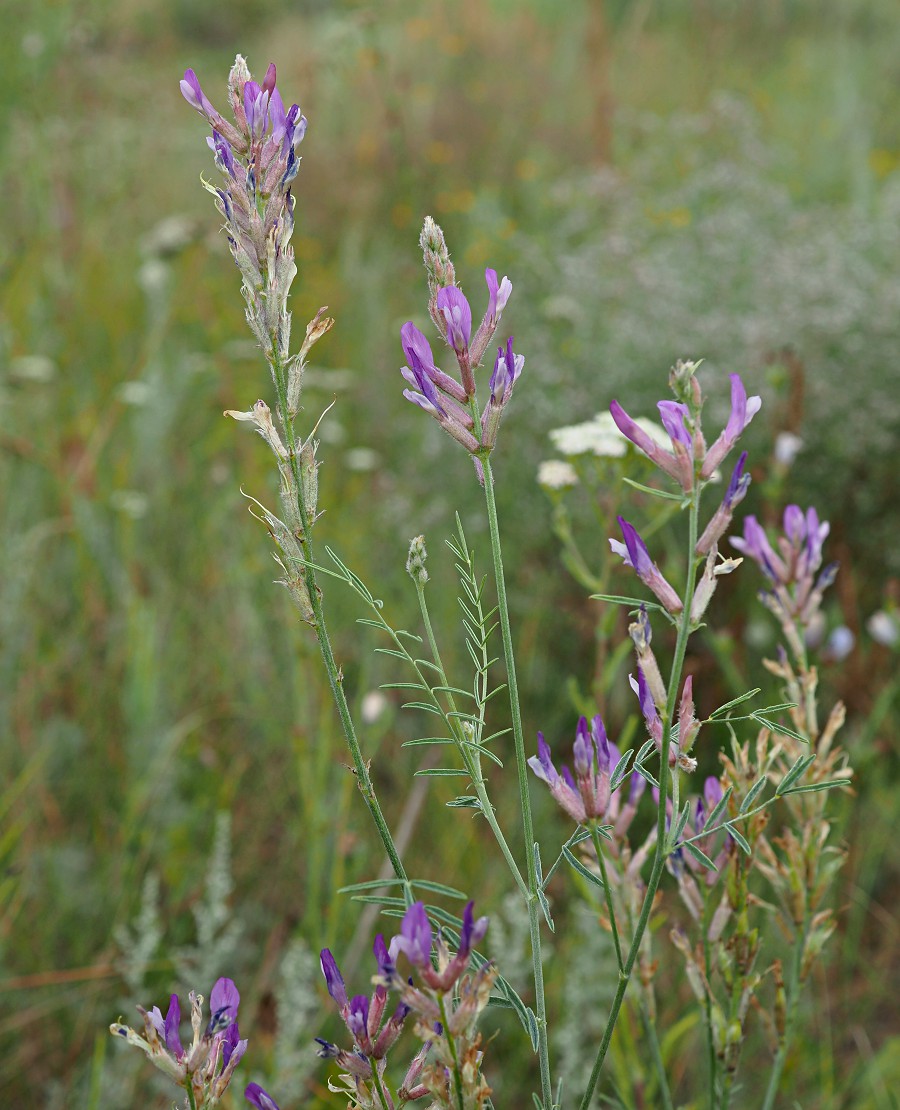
(743, 409)
(635, 554)
(457, 314)
(254, 1094)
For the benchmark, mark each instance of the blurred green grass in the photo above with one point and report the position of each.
(703, 178)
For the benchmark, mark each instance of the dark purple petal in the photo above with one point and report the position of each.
(737, 487)
(173, 1020)
(268, 83)
(232, 1045)
(473, 932)
(638, 555)
(583, 755)
(262, 1101)
(358, 1017)
(601, 743)
(333, 979)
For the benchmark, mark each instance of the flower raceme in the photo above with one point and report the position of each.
(586, 796)
(450, 401)
(444, 998)
(689, 457)
(797, 589)
(257, 156)
(206, 1066)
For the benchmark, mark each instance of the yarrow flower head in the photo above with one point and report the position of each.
(205, 1067)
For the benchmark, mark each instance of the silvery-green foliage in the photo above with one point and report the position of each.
(508, 940)
(589, 985)
(139, 941)
(298, 1011)
(219, 930)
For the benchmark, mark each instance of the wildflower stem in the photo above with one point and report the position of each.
(379, 1087)
(598, 848)
(524, 798)
(793, 993)
(656, 1056)
(707, 1006)
(662, 847)
(334, 672)
(190, 1093)
(451, 1044)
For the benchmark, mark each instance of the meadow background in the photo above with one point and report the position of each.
(692, 178)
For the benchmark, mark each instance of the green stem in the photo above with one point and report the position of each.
(524, 798)
(793, 993)
(451, 1044)
(190, 1093)
(656, 1057)
(334, 672)
(379, 1087)
(598, 848)
(710, 1043)
(662, 849)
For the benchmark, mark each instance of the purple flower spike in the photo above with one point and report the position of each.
(457, 316)
(743, 409)
(415, 936)
(334, 981)
(634, 552)
(473, 932)
(254, 1094)
(586, 796)
(194, 95)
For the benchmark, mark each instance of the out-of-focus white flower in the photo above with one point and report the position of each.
(839, 644)
(787, 447)
(372, 706)
(556, 474)
(884, 628)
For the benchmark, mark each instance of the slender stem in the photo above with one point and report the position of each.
(793, 994)
(710, 1043)
(451, 1044)
(524, 798)
(598, 848)
(656, 1056)
(379, 1087)
(334, 672)
(190, 1093)
(662, 848)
